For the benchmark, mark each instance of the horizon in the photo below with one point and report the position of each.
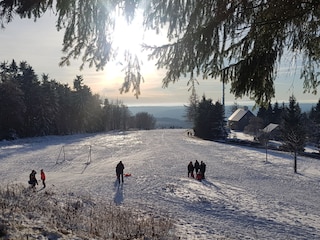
(240, 104)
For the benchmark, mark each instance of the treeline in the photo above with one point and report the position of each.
(31, 107)
(290, 119)
(296, 128)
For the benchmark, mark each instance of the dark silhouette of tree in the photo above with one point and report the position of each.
(12, 109)
(276, 113)
(64, 118)
(30, 85)
(94, 114)
(239, 42)
(145, 121)
(270, 114)
(218, 122)
(48, 106)
(265, 113)
(314, 125)
(191, 110)
(81, 97)
(315, 113)
(209, 122)
(293, 130)
(125, 117)
(107, 114)
(116, 115)
(254, 126)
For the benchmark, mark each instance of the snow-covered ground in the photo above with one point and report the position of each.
(243, 196)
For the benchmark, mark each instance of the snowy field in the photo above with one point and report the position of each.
(243, 197)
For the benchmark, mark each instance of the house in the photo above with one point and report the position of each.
(239, 119)
(272, 130)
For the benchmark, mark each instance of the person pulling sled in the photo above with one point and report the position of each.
(33, 180)
(119, 171)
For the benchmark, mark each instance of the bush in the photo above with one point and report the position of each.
(27, 214)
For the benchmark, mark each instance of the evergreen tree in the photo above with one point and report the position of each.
(30, 85)
(292, 129)
(209, 121)
(265, 114)
(254, 126)
(94, 114)
(276, 114)
(191, 110)
(64, 119)
(12, 109)
(314, 125)
(218, 122)
(81, 98)
(49, 106)
(315, 113)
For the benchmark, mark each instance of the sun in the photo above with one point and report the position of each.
(128, 36)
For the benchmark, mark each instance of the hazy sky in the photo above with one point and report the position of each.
(40, 45)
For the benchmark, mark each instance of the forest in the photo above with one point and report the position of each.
(31, 106)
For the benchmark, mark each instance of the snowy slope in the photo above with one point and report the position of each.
(243, 197)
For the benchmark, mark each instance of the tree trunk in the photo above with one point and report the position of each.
(295, 161)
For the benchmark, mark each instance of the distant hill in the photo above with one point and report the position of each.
(174, 116)
(166, 116)
(176, 112)
(172, 123)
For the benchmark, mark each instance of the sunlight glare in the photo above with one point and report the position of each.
(128, 36)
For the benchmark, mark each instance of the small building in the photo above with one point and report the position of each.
(272, 130)
(239, 119)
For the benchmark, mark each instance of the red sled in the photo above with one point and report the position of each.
(199, 176)
(127, 174)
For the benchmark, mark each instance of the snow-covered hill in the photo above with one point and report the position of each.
(243, 197)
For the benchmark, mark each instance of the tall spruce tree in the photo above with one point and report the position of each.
(191, 110)
(209, 122)
(293, 130)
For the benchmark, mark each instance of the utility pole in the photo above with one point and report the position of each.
(223, 94)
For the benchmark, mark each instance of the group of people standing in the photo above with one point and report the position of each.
(33, 180)
(198, 168)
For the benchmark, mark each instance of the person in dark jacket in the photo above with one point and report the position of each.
(202, 169)
(32, 179)
(196, 166)
(190, 169)
(119, 171)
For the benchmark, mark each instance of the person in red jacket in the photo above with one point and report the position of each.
(43, 178)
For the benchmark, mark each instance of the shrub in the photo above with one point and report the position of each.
(31, 214)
